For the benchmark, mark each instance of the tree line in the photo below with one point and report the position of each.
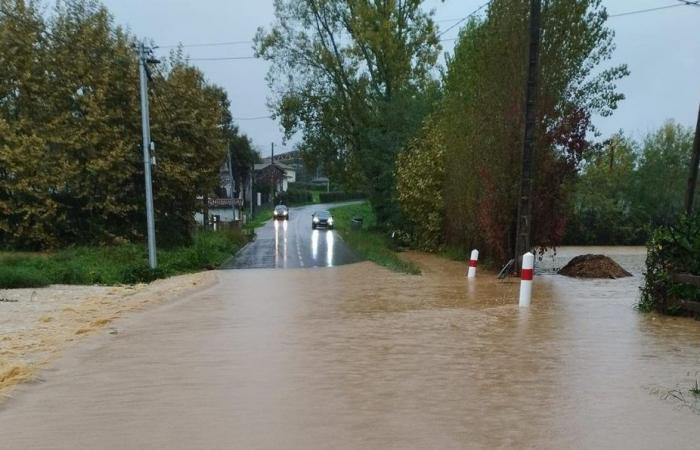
(438, 149)
(71, 164)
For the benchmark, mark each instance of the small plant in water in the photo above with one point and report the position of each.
(695, 390)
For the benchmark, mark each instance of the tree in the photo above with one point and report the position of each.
(71, 167)
(604, 210)
(354, 77)
(662, 175)
(482, 118)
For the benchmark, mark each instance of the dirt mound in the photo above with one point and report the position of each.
(593, 266)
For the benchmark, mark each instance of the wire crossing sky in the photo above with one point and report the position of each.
(656, 38)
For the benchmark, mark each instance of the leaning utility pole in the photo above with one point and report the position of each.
(146, 127)
(524, 232)
(693, 177)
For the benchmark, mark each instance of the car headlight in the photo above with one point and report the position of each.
(284, 212)
(315, 219)
(330, 220)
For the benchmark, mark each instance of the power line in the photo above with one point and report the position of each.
(459, 21)
(641, 11)
(207, 44)
(465, 18)
(253, 118)
(225, 58)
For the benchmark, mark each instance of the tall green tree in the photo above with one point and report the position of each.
(482, 119)
(354, 76)
(71, 167)
(27, 209)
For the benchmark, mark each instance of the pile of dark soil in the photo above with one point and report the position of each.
(593, 266)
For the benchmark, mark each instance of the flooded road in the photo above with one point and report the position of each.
(359, 357)
(286, 244)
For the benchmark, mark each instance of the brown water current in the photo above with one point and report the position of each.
(359, 357)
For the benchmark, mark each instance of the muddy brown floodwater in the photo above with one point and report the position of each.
(359, 357)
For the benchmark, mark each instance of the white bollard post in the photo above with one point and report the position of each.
(471, 272)
(259, 199)
(526, 273)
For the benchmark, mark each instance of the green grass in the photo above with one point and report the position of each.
(369, 243)
(695, 390)
(123, 264)
(262, 215)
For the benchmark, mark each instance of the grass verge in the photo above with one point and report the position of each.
(123, 264)
(262, 215)
(368, 242)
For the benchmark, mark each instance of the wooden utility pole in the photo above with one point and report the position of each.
(693, 177)
(523, 232)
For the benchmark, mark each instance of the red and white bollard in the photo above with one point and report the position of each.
(526, 273)
(471, 272)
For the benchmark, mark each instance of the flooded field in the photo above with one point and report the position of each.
(359, 357)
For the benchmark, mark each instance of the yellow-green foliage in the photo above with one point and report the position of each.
(71, 164)
(419, 181)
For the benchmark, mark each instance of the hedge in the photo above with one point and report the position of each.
(330, 197)
(671, 250)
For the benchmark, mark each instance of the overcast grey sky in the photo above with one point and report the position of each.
(662, 49)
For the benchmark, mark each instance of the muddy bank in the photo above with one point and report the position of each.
(36, 325)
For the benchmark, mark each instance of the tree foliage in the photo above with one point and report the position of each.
(481, 119)
(355, 77)
(626, 188)
(71, 165)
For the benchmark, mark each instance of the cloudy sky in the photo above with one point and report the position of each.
(661, 48)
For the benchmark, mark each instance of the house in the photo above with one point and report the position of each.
(225, 204)
(285, 174)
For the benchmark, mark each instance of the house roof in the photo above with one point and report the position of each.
(277, 164)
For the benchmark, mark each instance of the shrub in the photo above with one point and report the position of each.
(300, 185)
(295, 196)
(330, 197)
(671, 249)
(12, 277)
(419, 179)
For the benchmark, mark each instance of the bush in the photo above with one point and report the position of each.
(303, 186)
(420, 175)
(12, 277)
(671, 249)
(123, 264)
(331, 197)
(295, 196)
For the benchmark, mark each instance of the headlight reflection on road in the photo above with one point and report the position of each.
(330, 238)
(284, 228)
(277, 241)
(283, 256)
(314, 244)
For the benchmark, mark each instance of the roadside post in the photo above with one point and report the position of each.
(259, 199)
(473, 259)
(526, 274)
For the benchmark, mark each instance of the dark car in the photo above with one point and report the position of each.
(322, 219)
(280, 212)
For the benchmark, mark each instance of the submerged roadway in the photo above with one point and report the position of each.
(292, 243)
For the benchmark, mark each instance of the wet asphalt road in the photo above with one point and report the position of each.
(291, 243)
